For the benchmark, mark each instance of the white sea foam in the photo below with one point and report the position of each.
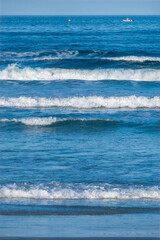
(47, 58)
(20, 54)
(34, 121)
(58, 55)
(70, 192)
(45, 121)
(134, 58)
(73, 55)
(37, 121)
(90, 102)
(61, 54)
(67, 54)
(13, 72)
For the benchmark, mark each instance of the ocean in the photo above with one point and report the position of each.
(79, 126)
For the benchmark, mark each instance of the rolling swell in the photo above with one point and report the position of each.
(78, 123)
(59, 54)
(77, 210)
(53, 121)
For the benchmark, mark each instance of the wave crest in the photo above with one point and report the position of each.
(46, 121)
(34, 121)
(76, 192)
(134, 59)
(90, 102)
(60, 54)
(13, 72)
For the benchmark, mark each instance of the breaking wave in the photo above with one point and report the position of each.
(77, 192)
(77, 54)
(90, 102)
(35, 121)
(46, 121)
(134, 59)
(13, 72)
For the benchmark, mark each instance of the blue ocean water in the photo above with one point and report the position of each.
(80, 124)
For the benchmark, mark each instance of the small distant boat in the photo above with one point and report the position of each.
(128, 20)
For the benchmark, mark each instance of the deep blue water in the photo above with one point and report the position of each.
(80, 121)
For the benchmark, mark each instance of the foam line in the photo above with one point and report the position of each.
(75, 54)
(34, 121)
(134, 59)
(76, 192)
(90, 102)
(13, 72)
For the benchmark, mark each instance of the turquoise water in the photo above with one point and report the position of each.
(80, 124)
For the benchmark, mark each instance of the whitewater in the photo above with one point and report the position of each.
(79, 126)
(78, 193)
(15, 73)
(89, 102)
